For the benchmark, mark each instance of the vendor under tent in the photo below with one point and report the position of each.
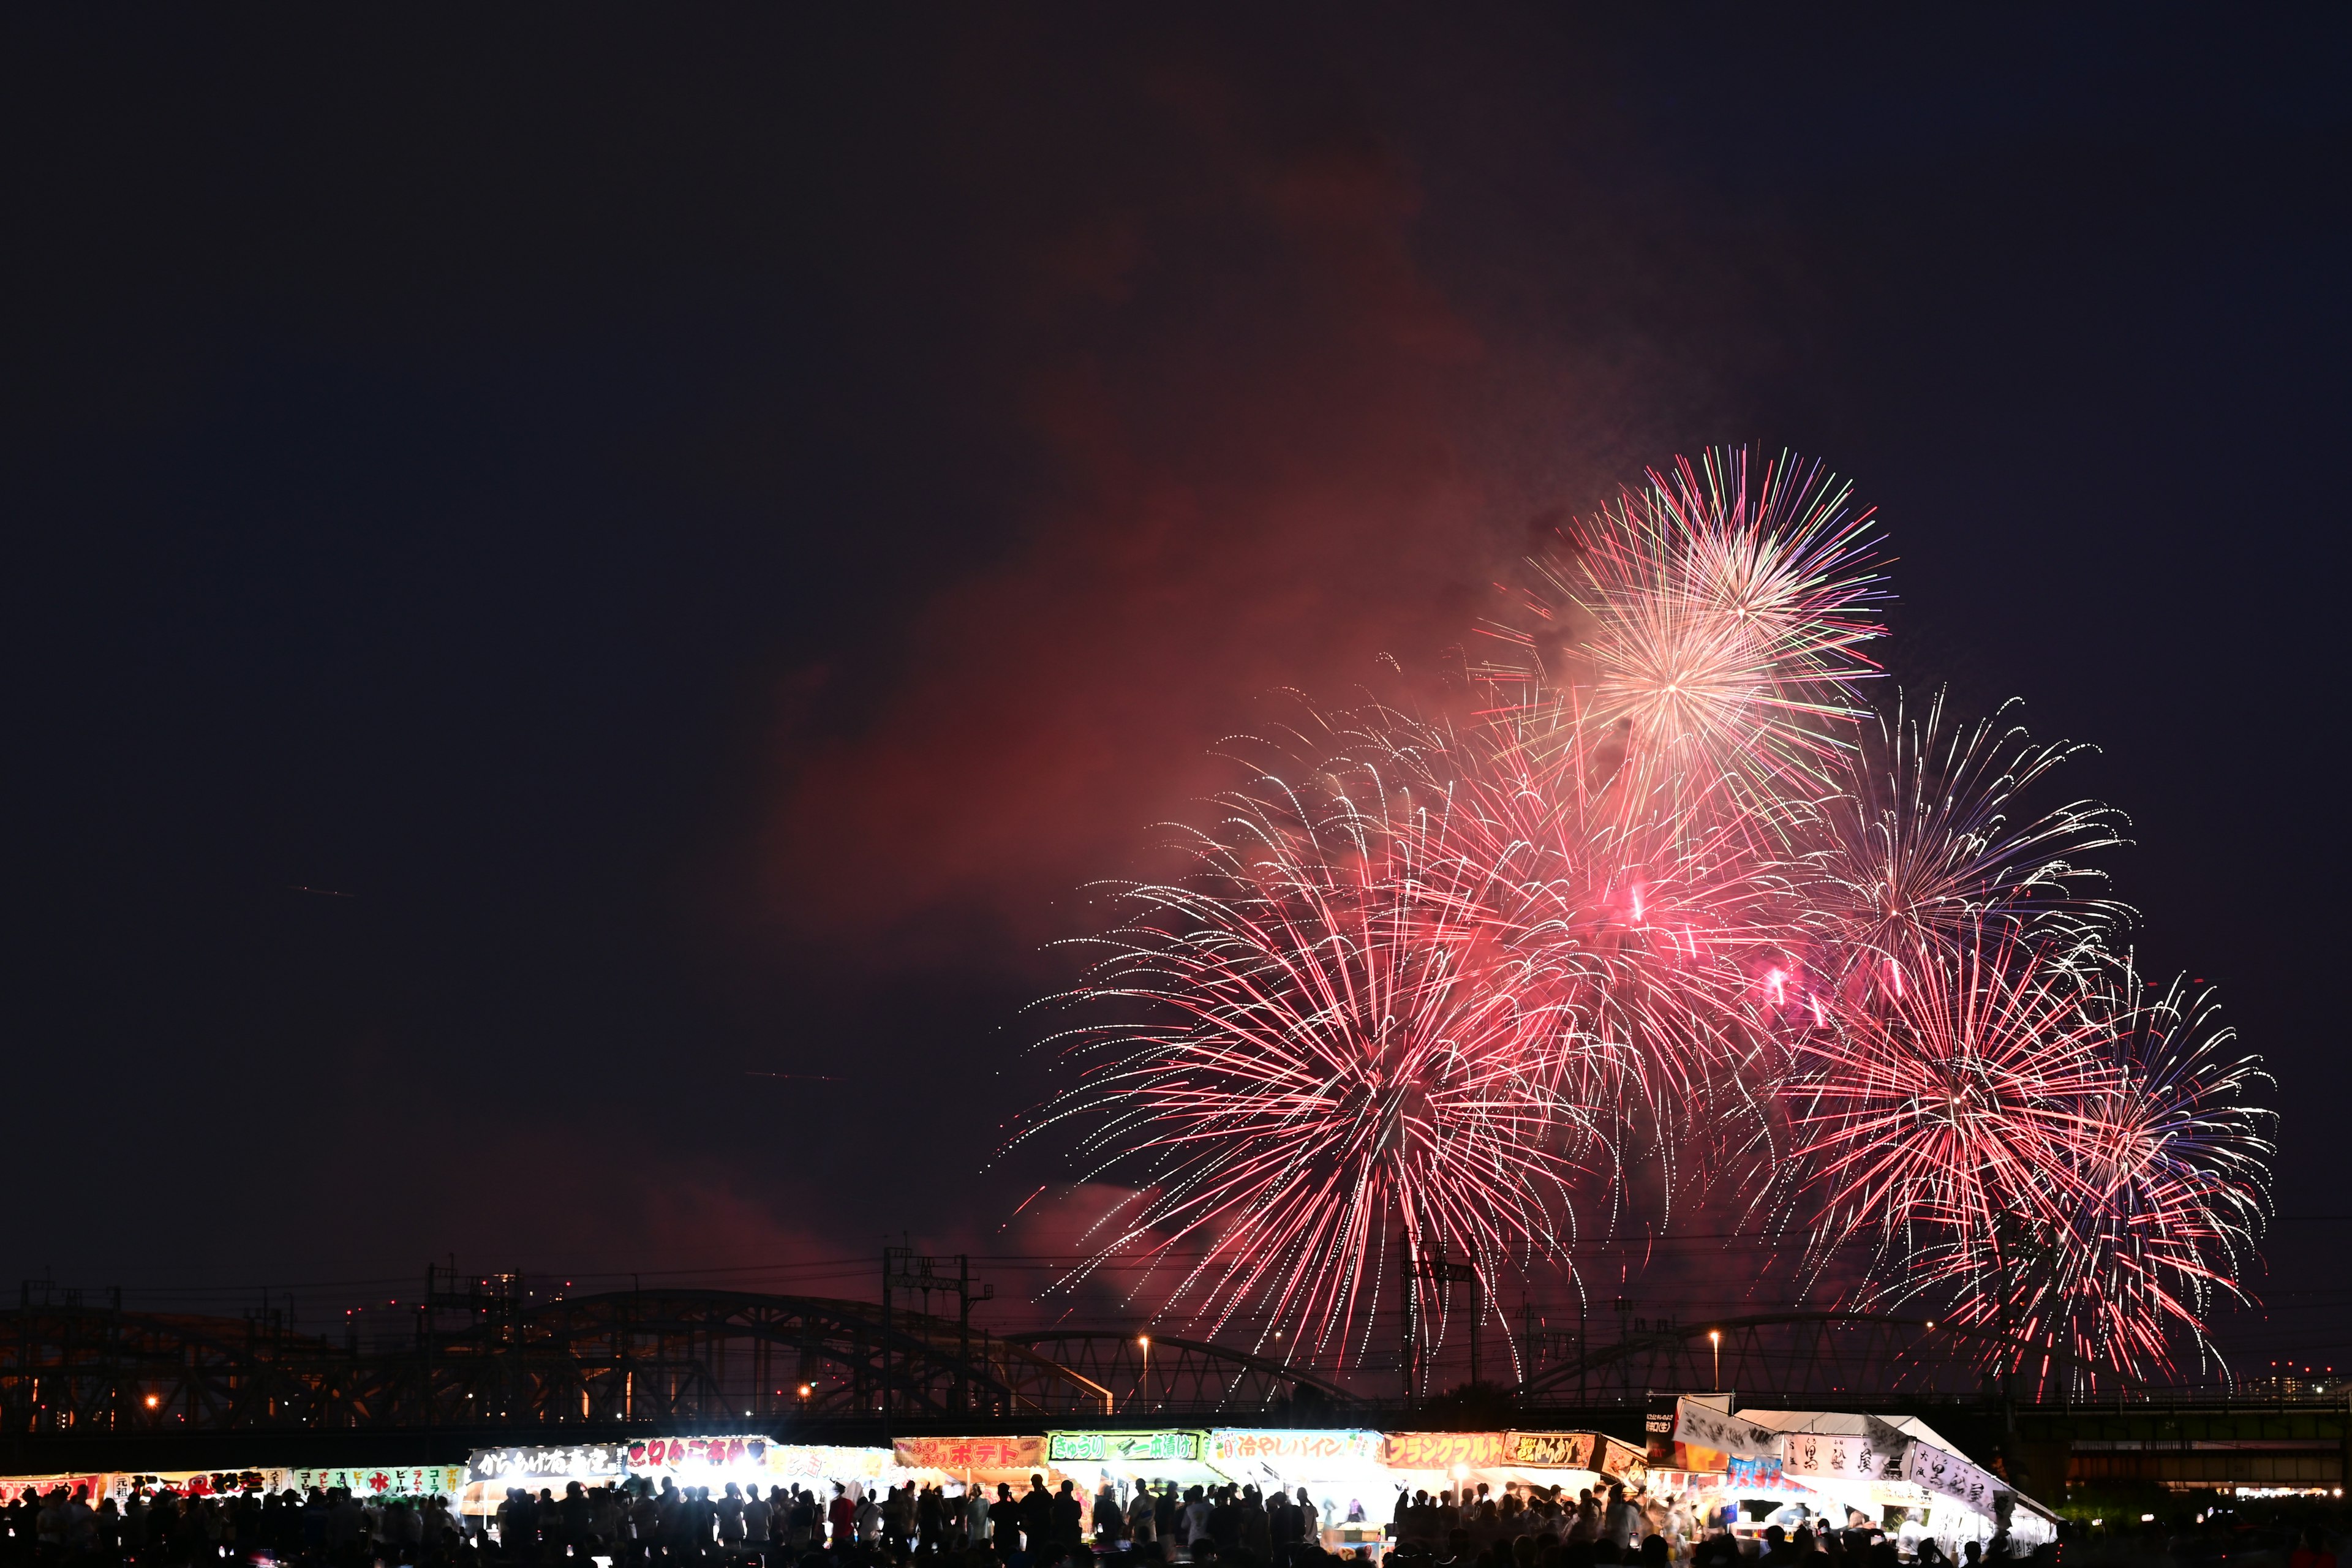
(1339, 1470)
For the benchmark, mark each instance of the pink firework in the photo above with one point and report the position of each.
(1327, 1059)
(2164, 1197)
(1947, 1098)
(1671, 903)
(1924, 839)
(2035, 1153)
(1707, 630)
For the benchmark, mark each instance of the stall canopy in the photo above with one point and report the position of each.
(1859, 1458)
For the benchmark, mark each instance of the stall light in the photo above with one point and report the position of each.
(2147, 1518)
(2096, 1522)
(153, 1402)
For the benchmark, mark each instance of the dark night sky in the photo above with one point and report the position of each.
(708, 529)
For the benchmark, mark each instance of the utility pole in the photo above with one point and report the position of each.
(903, 1270)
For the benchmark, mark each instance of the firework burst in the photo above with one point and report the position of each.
(1922, 842)
(1670, 898)
(1707, 630)
(1329, 1064)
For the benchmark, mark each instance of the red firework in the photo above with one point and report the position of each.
(1330, 1064)
(1432, 990)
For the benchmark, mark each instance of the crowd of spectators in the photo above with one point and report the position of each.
(638, 1525)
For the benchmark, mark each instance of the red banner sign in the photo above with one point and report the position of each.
(1444, 1450)
(970, 1453)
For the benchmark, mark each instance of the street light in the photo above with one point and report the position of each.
(1145, 1341)
(1715, 1338)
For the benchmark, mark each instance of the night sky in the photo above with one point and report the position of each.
(559, 560)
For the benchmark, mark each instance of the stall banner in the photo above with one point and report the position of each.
(1113, 1447)
(584, 1462)
(1444, 1450)
(1551, 1450)
(1658, 1431)
(822, 1461)
(1952, 1477)
(1702, 1426)
(39, 1487)
(970, 1453)
(392, 1480)
(1764, 1472)
(1627, 1462)
(1877, 1455)
(659, 1454)
(1232, 1444)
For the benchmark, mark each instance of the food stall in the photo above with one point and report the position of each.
(761, 1463)
(489, 1472)
(377, 1480)
(94, 1484)
(1090, 1458)
(1571, 1461)
(1339, 1469)
(1438, 1462)
(1830, 1469)
(961, 1463)
(1450, 1461)
(714, 1462)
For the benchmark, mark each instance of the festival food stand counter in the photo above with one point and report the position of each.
(712, 1462)
(1341, 1470)
(1837, 1471)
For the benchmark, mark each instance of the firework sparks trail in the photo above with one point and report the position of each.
(2036, 1152)
(1670, 896)
(1710, 631)
(1333, 1065)
(1919, 844)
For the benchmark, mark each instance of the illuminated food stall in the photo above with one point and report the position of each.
(1090, 1458)
(1435, 1462)
(489, 1472)
(1898, 1476)
(1830, 1469)
(1450, 1461)
(95, 1484)
(1341, 1470)
(964, 1462)
(377, 1480)
(713, 1462)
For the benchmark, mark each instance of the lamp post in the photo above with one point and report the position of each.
(1145, 1341)
(1715, 1338)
